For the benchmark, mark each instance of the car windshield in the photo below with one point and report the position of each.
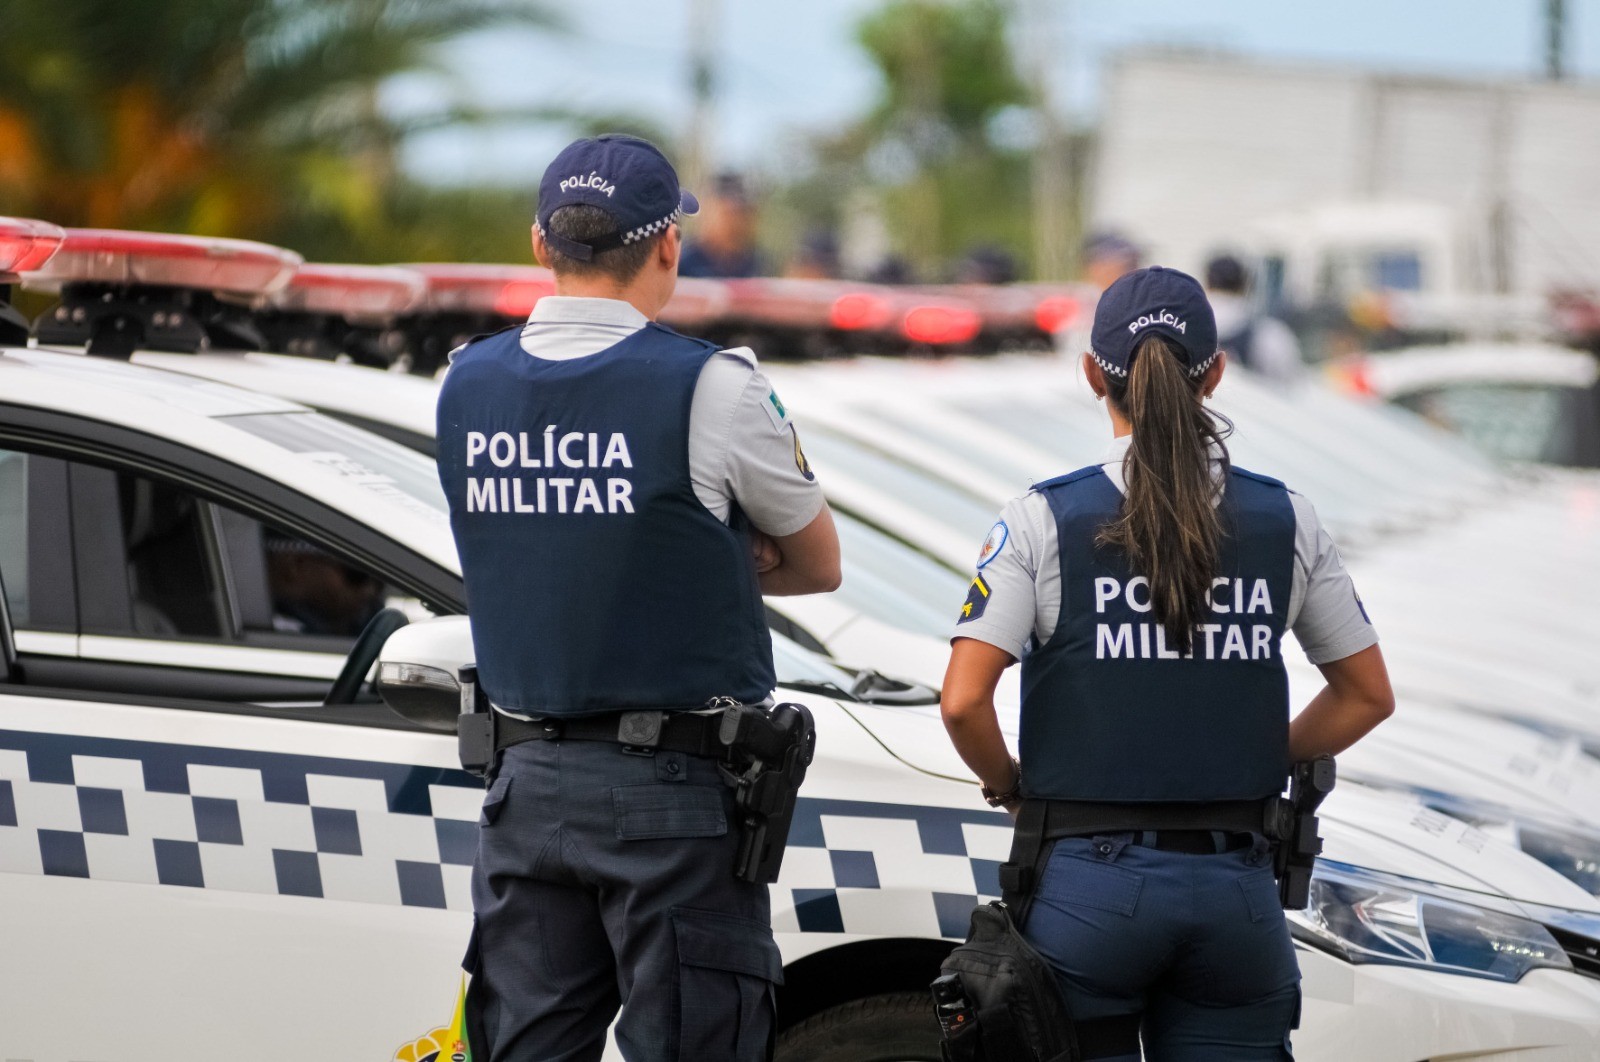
(894, 583)
(1517, 422)
(1341, 454)
(363, 460)
(943, 501)
(797, 666)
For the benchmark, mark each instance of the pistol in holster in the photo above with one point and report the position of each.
(475, 729)
(1292, 827)
(767, 753)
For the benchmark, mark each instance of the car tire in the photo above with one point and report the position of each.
(899, 1027)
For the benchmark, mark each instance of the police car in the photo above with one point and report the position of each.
(891, 592)
(1520, 402)
(894, 611)
(172, 827)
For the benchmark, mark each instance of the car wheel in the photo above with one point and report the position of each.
(891, 1028)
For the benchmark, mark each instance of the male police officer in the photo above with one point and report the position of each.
(621, 497)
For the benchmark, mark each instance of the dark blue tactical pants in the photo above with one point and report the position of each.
(605, 878)
(1196, 944)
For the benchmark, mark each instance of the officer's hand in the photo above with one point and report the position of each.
(764, 550)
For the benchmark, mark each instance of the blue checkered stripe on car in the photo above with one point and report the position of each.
(910, 870)
(288, 824)
(236, 819)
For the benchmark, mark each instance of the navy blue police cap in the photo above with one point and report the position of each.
(1150, 301)
(627, 177)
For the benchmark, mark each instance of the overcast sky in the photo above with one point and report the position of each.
(789, 68)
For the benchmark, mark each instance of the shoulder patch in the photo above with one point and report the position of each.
(776, 411)
(977, 600)
(800, 460)
(999, 534)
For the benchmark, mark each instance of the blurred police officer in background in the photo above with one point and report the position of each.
(1251, 337)
(725, 243)
(1146, 598)
(621, 497)
(1106, 256)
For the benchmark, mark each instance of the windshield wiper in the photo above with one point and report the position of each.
(875, 688)
(826, 687)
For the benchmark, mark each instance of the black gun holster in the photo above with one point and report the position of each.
(767, 753)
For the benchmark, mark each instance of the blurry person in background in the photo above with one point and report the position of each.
(313, 592)
(986, 264)
(817, 257)
(1260, 343)
(893, 269)
(724, 243)
(1106, 257)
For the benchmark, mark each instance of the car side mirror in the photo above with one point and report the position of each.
(424, 695)
(417, 671)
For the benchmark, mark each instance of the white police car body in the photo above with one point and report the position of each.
(1515, 401)
(291, 879)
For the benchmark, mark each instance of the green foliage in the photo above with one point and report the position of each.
(925, 150)
(948, 62)
(239, 117)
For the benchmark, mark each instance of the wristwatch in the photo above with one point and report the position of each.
(1010, 796)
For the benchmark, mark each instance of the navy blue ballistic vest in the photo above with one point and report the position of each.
(596, 580)
(1110, 713)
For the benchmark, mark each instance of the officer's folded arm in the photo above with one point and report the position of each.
(1356, 699)
(966, 703)
(806, 562)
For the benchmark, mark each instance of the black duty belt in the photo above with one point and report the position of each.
(1215, 826)
(1076, 818)
(639, 731)
(1193, 842)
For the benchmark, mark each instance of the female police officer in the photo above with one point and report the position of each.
(1147, 597)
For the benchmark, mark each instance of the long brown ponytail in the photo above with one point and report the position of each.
(1168, 526)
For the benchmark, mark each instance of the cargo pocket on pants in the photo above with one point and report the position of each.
(667, 811)
(728, 968)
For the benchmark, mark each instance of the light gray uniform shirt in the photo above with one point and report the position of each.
(742, 443)
(1021, 566)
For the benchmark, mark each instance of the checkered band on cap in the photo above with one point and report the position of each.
(654, 228)
(1200, 369)
(1106, 365)
(1115, 370)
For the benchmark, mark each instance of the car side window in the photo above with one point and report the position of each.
(173, 586)
(158, 561)
(35, 557)
(14, 533)
(284, 584)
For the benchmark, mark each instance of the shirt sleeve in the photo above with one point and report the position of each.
(1000, 605)
(1331, 623)
(744, 448)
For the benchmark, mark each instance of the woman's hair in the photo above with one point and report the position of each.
(1168, 525)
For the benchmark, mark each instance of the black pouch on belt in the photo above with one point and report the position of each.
(1014, 1006)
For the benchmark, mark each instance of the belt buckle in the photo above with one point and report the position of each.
(639, 733)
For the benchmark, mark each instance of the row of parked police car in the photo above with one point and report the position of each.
(229, 793)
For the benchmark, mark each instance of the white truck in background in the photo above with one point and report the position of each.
(1408, 205)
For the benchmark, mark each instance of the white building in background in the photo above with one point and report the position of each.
(1447, 187)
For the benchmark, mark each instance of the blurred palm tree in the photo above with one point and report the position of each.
(238, 117)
